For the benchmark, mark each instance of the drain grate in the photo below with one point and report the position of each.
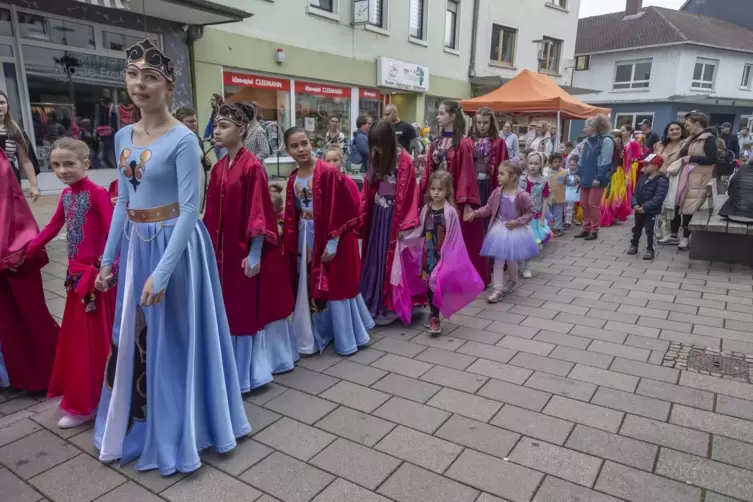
(719, 364)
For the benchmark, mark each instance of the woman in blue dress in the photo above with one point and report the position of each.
(171, 385)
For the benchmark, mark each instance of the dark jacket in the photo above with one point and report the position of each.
(359, 148)
(651, 139)
(732, 143)
(650, 193)
(739, 205)
(596, 160)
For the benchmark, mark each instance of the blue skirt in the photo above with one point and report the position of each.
(171, 385)
(4, 378)
(268, 352)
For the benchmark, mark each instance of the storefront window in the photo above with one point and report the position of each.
(56, 31)
(431, 106)
(120, 41)
(316, 103)
(6, 26)
(370, 103)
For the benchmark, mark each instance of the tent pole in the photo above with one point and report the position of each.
(559, 130)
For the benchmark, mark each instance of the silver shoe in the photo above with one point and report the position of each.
(496, 296)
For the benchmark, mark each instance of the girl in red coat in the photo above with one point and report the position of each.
(242, 223)
(489, 151)
(321, 214)
(454, 152)
(389, 206)
(86, 334)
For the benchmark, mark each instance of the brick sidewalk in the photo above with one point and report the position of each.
(555, 395)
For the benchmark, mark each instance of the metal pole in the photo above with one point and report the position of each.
(559, 130)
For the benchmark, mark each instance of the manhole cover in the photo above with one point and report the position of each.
(721, 364)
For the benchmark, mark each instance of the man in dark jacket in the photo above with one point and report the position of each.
(647, 202)
(726, 166)
(651, 137)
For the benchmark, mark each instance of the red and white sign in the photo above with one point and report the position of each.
(256, 81)
(370, 94)
(322, 90)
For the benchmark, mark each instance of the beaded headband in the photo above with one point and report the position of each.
(145, 55)
(231, 113)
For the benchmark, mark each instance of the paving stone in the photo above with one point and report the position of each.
(645, 370)
(12, 489)
(500, 354)
(643, 342)
(306, 380)
(294, 438)
(515, 343)
(259, 418)
(476, 335)
(517, 395)
(718, 385)
(582, 356)
(414, 415)
(356, 426)
(465, 404)
(36, 453)
(356, 463)
(664, 434)
(344, 491)
(355, 396)
(554, 303)
(676, 394)
(575, 342)
(605, 378)
(584, 413)
(366, 356)
(446, 358)
(619, 350)
(471, 322)
(304, 407)
(557, 490)
(16, 404)
(418, 448)
(732, 452)
(398, 331)
(687, 338)
(539, 363)
(449, 377)
(490, 474)
(633, 484)
(583, 320)
(445, 341)
(408, 388)
(736, 407)
(247, 453)
(413, 484)
(706, 473)
(49, 417)
(11, 431)
(264, 394)
(555, 460)
(485, 497)
(633, 329)
(319, 362)
(535, 425)
(64, 482)
(644, 311)
(500, 371)
(632, 403)
(562, 386)
(354, 372)
(131, 492)
(736, 346)
(714, 423)
(502, 316)
(715, 497)
(286, 478)
(613, 447)
(399, 347)
(599, 334)
(534, 311)
(513, 329)
(402, 365)
(478, 435)
(556, 326)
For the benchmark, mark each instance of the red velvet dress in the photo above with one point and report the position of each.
(238, 209)
(29, 333)
(86, 333)
(465, 187)
(405, 216)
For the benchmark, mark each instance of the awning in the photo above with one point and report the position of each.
(493, 81)
(190, 12)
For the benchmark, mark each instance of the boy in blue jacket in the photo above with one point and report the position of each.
(647, 202)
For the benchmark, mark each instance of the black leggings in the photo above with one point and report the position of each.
(432, 308)
(678, 221)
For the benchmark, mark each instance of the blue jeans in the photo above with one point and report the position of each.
(558, 213)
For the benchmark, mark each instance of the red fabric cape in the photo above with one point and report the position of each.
(460, 166)
(239, 208)
(405, 216)
(336, 214)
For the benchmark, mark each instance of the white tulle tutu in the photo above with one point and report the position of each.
(514, 244)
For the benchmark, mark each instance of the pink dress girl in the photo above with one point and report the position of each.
(503, 243)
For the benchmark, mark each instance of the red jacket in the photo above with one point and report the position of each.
(460, 166)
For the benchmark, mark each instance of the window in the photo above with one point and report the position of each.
(704, 74)
(632, 75)
(6, 26)
(631, 119)
(451, 25)
(417, 18)
(558, 3)
(56, 31)
(376, 16)
(550, 59)
(327, 5)
(745, 83)
(120, 42)
(503, 44)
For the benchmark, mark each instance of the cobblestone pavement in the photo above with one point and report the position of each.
(557, 394)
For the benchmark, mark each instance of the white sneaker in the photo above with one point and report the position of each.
(496, 296)
(669, 239)
(683, 245)
(527, 274)
(69, 420)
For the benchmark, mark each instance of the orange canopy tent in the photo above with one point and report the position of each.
(531, 92)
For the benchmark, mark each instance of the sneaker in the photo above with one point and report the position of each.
(69, 420)
(649, 255)
(568, 226)
(435, 327)
(510, 287)
(558, 233)
(591, 237)
(671, 240)
(527, 274)
(632, 250)
(683, 245)
(496, 296)
(582, 235)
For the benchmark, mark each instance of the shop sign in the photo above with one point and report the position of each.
(66, 66)
(401, 75)
(256, 81)
(322, 90)
(370, 94)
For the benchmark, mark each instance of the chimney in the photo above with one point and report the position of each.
(633, 7)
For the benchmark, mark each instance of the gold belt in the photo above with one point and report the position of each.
(155, 214)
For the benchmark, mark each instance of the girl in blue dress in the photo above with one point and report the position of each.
(171, 385)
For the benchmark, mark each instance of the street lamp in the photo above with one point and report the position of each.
(543, 46)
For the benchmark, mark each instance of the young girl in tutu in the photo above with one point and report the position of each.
(536, 184)
(510, 238)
